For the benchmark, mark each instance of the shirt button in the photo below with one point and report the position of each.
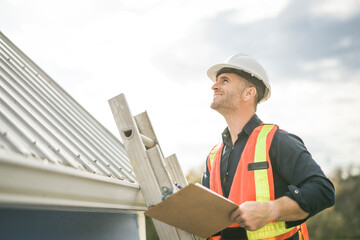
(296, 191)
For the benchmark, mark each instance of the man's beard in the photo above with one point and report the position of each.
(222, 104)
(227, 102)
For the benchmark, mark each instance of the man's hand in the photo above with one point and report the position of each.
(252, 215)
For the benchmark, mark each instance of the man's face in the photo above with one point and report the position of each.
(227, 89)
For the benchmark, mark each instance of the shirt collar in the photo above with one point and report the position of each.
(248, 128)
(252, 124)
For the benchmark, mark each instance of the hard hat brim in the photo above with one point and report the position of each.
(212, 72)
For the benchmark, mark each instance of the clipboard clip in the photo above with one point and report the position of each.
(166, 192)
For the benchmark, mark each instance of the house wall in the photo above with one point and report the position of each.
(45, 224)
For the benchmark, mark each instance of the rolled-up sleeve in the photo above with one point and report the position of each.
(306, 182)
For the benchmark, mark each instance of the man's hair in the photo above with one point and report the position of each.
(254, 81)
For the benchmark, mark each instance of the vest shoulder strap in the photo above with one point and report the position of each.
(212, 154)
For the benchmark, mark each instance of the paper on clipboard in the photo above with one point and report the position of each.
(195, 209)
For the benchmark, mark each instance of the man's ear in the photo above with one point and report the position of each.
(249, 93)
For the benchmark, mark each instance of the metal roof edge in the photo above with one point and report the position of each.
(54, 83)
(28, 182)
(46, 121)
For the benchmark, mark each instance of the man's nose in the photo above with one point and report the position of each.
(215, 86)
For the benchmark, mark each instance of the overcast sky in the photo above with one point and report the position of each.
(157, 52)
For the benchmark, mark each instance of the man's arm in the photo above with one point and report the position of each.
(307, 185)
(254, 215)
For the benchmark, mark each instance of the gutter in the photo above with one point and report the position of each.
(28, 182)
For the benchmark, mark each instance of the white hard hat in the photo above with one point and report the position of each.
(247, 64)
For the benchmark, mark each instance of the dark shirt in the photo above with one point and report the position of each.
(295, 173)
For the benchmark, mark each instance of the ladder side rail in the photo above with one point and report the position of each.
(163, 176)
(140, 161)
(171, 163)
(145, 127)
(175, 170)
(158, 164)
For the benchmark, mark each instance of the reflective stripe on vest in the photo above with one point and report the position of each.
(212, 155)
(253, 184)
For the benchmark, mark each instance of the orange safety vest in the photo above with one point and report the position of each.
(253, 181)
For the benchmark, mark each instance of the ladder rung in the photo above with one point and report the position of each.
(148, 142)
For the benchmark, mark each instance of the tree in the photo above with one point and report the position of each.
(343, 220)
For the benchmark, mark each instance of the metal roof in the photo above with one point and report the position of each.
(40, 120)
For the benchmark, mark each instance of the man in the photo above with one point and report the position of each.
(266, 171)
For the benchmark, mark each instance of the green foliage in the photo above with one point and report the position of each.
(343, 220)
(151, 233)
(195, 175)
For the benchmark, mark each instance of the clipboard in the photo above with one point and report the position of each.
(195, 209)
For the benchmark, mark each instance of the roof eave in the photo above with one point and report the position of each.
(28, 182)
